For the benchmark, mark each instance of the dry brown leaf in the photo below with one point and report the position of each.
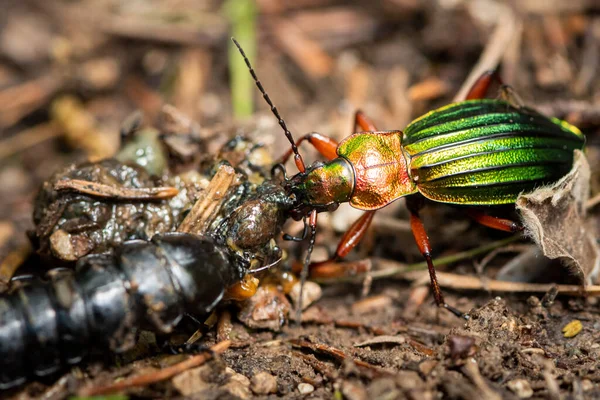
(555, 218)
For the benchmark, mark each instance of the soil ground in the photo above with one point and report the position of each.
(320, 60)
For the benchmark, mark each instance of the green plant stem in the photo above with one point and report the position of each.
(242, 18)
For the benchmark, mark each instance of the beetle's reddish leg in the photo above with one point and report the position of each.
(480, 88)
(363, 122)
(418, 229)
(354, 235)
(501, 224)
(350, 240)
(326, 146)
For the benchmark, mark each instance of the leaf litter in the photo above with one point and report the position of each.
(555, 217)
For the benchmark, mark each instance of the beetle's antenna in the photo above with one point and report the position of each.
(297, 157)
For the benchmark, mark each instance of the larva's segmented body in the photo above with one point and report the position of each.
(152, 284)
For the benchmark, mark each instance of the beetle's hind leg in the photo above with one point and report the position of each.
(414, 204)
(480, 88)
(501, 224)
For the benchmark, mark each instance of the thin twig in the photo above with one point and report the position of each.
(28, 138)
(157, 376)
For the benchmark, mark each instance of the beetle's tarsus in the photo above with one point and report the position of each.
(455, 311)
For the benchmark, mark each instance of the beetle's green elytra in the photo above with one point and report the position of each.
(486, 152)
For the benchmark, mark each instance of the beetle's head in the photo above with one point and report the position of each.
(322, 187)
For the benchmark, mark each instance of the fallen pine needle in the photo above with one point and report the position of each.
(161, 375)
(118, 193)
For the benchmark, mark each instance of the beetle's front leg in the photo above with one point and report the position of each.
(327, 146)
(414, 204)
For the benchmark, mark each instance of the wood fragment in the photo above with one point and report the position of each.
(471, 370)
(428, 89)
(383, 339)
(371, 304)
(317, 365)
(309, 56)
(149, 101)
(420, 347)
(504, 33)
(224, 326)
(156, 376)
(28, 138)
(12, 262)
(22, 99)
(335, 353)
(209, 202)
(115, 193)
(465, 282)
(81, 129)
(194, 70)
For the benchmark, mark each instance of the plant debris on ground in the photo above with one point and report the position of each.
(73, 72)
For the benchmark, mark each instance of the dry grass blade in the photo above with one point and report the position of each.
(161, 375)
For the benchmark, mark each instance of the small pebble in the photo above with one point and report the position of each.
(311, 293)
(237, 389)
(235, 377)
(372, 304)
(354, 391)
(427, 366)
(263, 383)
(521, 388)
(586, 385)
(305, 388)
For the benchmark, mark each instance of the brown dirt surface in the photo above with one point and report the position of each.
(71, 72)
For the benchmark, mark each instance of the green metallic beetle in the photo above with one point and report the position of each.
(475, 152)
(478, 152)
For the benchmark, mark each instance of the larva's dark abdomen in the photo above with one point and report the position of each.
(151, 285)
